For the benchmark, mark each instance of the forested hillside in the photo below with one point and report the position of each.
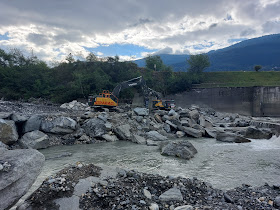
(25, 77)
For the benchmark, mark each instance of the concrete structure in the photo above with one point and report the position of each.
(253, 101)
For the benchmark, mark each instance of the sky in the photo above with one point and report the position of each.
(131, 29)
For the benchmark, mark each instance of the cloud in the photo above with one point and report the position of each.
(56, 28)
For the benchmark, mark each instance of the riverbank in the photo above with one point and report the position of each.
(122, 189)
(60, 126)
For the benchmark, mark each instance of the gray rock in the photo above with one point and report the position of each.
(8, 132)
(257, 133)
(19, 118)
(231, 137)
(103, 116)
(171, 124)
(154, 206)
(155, 136)
(185, 123)
(180, 134)
(173, 194)
(165, 117)
(108, 126)
(32, 124)
(202, 121)
(171, 113)
(194, 114)
(85, 138)
(210, 132)
(167, 127)
(181, 149)
(95, 127)
(208, 122)
(141, 111)
(138, 139)
(277, 202)
(34, 140)
(185, 113)
(147, 194)
(139, 119)
(123, 132)
(5, 115)
(191, 131)
(185, 207)
(110, 138)
(59, 125)
(25, 167)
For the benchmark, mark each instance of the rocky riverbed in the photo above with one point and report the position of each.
(89, 187)
(37, 126)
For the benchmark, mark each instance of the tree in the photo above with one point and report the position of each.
(257, 67)
(155, 63)
(70, 58)
(91, 57)
(198, 63)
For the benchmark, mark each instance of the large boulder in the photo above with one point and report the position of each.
(123, 132)
(155, 136)
(59, 125)
(22, 168)
(110, 138)
(181, 149)
(231, 137)
(184, 113)
(32, 124)
(34, 140)
(141, 111)
(5, 115)
(191, 131)
(138, 139)
(8, 132)
(194, 114)
(95, 127)
(17, 118)
(257, 133)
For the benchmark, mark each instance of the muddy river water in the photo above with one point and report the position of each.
(224, 165)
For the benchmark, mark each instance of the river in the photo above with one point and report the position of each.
(224, 165)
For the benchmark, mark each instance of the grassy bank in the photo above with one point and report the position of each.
(240, 79)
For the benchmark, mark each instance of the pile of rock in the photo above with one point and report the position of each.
(134, 190)
(75, 105)
(138, 125)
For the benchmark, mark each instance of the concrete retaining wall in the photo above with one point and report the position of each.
(253, 101)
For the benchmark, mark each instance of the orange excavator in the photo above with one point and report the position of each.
(108, 99)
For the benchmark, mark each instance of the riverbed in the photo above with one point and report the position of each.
(224, 165)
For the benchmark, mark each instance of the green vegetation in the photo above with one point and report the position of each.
(28, 77)
(25, 77)
(240, 79)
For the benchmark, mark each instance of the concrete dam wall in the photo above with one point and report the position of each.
(253, 101)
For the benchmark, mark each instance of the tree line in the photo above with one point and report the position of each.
(23, 77)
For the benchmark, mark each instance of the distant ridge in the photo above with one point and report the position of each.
(264, 51)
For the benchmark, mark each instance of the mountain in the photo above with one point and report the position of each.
(264, 51)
